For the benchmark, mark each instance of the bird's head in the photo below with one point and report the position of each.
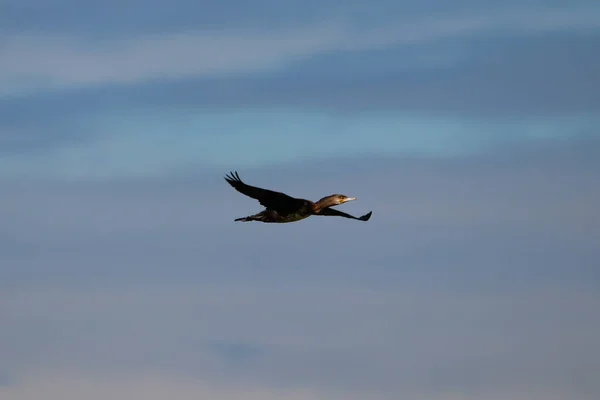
(335, 200)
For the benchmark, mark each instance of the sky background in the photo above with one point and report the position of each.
(469, 128)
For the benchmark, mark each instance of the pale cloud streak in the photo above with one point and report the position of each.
(144, 145)
(71, 62)
(44, 61)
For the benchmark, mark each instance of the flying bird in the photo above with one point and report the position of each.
(281, 208)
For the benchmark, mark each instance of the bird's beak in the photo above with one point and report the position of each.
(349, 199)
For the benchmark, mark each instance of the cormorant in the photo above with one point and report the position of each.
(283, 208)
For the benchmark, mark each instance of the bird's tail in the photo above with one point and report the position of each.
(255, 217)
(261, 217)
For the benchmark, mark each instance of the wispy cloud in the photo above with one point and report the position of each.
(68, 61)
(45, 61)
(170, 143)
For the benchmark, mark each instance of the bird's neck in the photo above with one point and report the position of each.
(323, 203)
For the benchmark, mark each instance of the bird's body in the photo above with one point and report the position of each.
(281, 208)
(269, 215)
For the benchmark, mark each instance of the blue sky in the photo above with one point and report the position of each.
(470, 129)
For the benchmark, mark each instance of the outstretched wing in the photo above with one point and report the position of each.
(336, 213)
(277, 201)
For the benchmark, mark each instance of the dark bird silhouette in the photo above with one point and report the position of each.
(280, 208)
